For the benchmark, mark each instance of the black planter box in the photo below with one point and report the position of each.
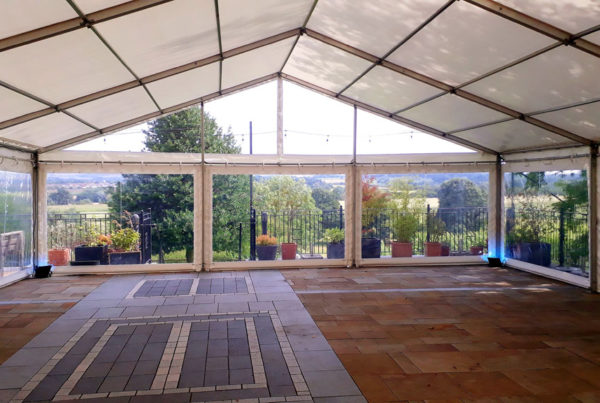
(42, 271)
(266, 252)
(533, 252)
(371, 248)
(91, 253)
(335, 250)
(125, 258)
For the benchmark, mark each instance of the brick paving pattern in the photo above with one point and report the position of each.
(231, 285)
(156, 288)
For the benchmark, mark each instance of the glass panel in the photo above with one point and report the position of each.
(388, 21)
(117, 108)
(186, 86)
(571, 15)
(547, 219)
(292, 217)
(13, 104)
(47, 130)
(328, 130)
(323, 65)
(450, 112)
(562, 76)
(388, 90)
(63, 67)
(465, 42)
(410, 215)
(16, 218)
(20, 16)
(512, 135)
(233, 114)
(241, 24)
(255, 64)
(378, 135)
(120, 219)
(165, 36)
(583, 120)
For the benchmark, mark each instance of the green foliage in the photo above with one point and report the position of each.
(436, 229)
(225, 256)
(125, 240)
(460, 192)
(409, 204)
(60, 197)
(530, 226)
(334, 235)
(373, 201)
(326, 199)
(96, 195)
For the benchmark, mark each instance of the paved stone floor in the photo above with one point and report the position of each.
(399, 334)
(457, 333)
(242, 336)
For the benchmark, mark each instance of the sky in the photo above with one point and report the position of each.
(312, 123)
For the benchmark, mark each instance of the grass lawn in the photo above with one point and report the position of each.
(177, 256)
(79, 208)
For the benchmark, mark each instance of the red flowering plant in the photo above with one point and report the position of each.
(374, 200)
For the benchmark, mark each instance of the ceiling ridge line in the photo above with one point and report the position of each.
(397, 46)
(136, 83)
(219, 40)
(172, 109)
(300, 33)
(560, 108)
(480, 125)
(77, 23)
(446, 87)
(387, 115)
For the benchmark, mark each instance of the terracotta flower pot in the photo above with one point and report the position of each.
(59, 257)
(401, 249)
(433, 249)
(288, 250)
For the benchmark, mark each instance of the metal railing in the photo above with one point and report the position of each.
(67, 230)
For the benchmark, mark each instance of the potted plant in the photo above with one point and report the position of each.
(289, 248)
(476, 250)
(59, 256)
(125, 247)
(266, 247)
(405, 220)
(94, 249)
(436, 229)
(374, 203)
(335, 243)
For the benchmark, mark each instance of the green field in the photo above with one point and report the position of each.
(78, 208)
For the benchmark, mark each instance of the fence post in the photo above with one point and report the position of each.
(264, 216)
(252, 234)
(561, 237)
(427, 222)
(341, 217)
(240, 242)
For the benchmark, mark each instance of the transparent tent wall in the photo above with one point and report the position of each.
(291, 217)
(16, 212)
(547, 219)
(412, 215)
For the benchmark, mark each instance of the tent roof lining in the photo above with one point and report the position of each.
(89, 20)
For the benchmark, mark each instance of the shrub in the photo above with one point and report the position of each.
(334, 235)
(266, 240)
(125, 239)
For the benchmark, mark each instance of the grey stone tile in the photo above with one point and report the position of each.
(240, 362)
(145, 367)
(204, 299)
(97, 370)
(170, 310)
(191, 379)
(87, 385)
(235, 298)
(139, 382)
(102, 303)
(282, 390)
(108, 313)
(50, 339)
(216, 363)
(233, 307)
(154, 301)
(180, 300)
(67, 364)
(7, 395)
(318, 360)
(48, 387)
(261, 306)
(288, 305)
(229, 395)
(133, 311)
(80, 313)
(308, 343)
(277, 296)
(217, 348)
(123, 369)
(113, 384)
(216, 377)
(65, 325)
(288, 318)
(202, 308)
(16, 377)
(240, 376)
(330, 383)
(341, 399)
(31, 357)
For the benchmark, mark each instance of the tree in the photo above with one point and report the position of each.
(455, 195)
(326, 199)
(171, 196)
(60, 197)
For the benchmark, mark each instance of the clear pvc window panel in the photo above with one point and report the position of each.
(583, 120)
(388, 90)
(16, 222)
(162, 37)
(186, 86)
(13, 104)
(20, 16)
(63, 67)
(256, 63)
(116, 108)
(378, 135)
(512, 135)
(571, 15)
(242, 24)
(89, 6)
(324, 65)
(559, 77)
(450, 112)
(46, 131)
(388, 21)
(465, 42)
(315, 124)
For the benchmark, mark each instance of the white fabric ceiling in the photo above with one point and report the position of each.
(496, 76)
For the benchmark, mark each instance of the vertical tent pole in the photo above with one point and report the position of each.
(279, 116)
(594, 228)
(199, 201)
(356, 196)
(41, 200)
